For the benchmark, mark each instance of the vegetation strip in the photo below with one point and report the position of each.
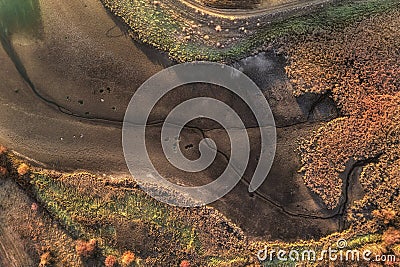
(163, 27)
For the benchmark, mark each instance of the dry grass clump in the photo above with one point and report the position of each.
(45, 259)
(360, 67)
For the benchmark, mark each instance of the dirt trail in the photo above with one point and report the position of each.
(264, 10)
(12, 252)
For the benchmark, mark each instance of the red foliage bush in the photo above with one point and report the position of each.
(110, 261)
(185, 263)
(23, 169)
(86, 249)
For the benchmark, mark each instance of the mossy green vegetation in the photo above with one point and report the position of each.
(162, 27)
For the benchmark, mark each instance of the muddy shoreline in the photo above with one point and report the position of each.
(74, 69)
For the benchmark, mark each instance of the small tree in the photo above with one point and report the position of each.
(127, 258)
(23, 169)
(86, 249)
(185, 263)
(110, 261)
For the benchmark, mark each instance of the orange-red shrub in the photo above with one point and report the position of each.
(86, 249)
(110, 261)
(127, 258)
(23, 169)
(391, 236)
(185, 263)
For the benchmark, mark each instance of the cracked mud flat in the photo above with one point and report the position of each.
(81, 72)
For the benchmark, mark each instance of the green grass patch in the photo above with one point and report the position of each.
(87, 214)
(79, 212)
